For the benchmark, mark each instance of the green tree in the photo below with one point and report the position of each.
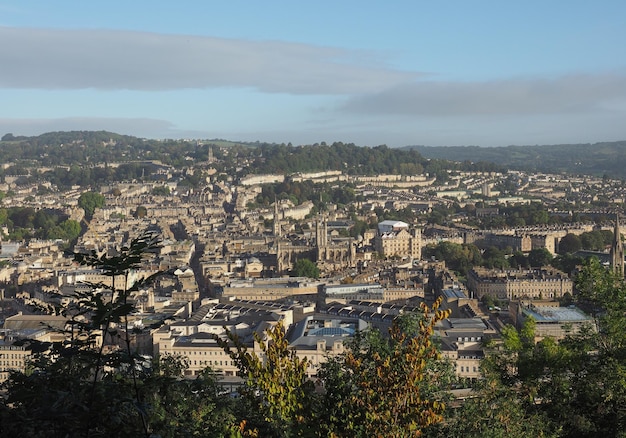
(593, 240)
(161, 191)
(570, 243)
(519, 260)
(494, 257)
(503, 403)
(305, 268)
(89, 201)
(181, 406)
(359, 228)
(566, 262)
(571, 388)
(539, 257)
(458, 257)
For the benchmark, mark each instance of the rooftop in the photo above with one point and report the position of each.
(556, 314)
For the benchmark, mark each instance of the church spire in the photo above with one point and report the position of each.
(617, 249)
(277, 227)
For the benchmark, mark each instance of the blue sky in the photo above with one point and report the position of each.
(487, 73)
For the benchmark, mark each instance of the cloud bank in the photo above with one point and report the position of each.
(564, 95)
(114, 60)
(340, 94)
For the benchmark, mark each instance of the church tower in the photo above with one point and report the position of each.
(617, 250)
(277, 226)
(321, 237)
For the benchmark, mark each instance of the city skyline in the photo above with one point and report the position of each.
(360, 72)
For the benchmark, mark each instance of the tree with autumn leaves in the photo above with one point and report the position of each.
(387, 385)
(382, 386)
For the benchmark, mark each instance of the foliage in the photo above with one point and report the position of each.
(161, 191)
(84, 386)
(519, 260)
(539, 257)
(495, 258)
(140, 212)
(305, 268)
(498, 405)
(572, 388)
(590, 159)
(89, 201)
(384, 386)
(276, 383)
(359, 228)
(188, 407)
(566, 262)
(338, 156)
(403, 399)
(458, 257)
(45, 223)
(570, 243)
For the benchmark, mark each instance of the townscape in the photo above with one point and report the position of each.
(243, 251)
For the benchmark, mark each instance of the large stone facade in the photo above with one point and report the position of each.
(512, 284)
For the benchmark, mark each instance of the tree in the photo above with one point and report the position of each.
(593, 240)
(501, 406)
(89, 201)
(82, 387)
(181, 406)
(358, 229)
(494, 257)
(539, 257)
(570, 243)
(276, 383)
(161, 191)
(305, 268)
(566, 262)
(66, 230)
(140, 212)
(519, 260)
(458, 257)
(385, 386)
(572, 388)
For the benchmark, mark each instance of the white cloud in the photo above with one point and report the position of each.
(112, 60)
(564, 95)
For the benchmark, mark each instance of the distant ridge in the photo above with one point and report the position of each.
(68, 147)
(600, 159)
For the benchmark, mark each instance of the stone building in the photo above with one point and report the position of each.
(512, 284)
(550, 319)
(397, 239)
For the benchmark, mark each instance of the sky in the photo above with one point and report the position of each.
(448, 73)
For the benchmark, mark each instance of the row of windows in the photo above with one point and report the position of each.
(467, 369)
(213, 362)
(12, 355)
(201, 353)
(11, 363)
(231, 363)
(468, 339)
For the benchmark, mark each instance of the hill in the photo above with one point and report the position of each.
(97, 147)
(606, 158)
